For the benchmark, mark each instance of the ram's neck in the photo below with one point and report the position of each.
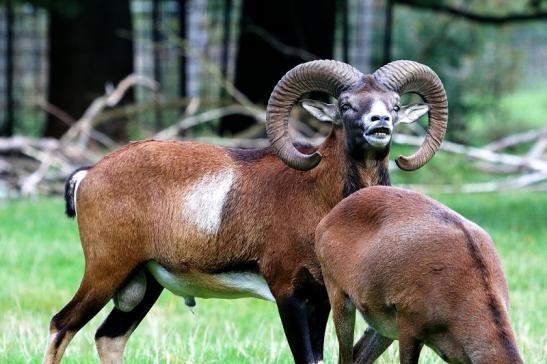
(342, 175)
(374, 172)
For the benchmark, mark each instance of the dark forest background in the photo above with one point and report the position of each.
(81, 78)
(65, 52)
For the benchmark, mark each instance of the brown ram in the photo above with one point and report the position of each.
(417, 272)
(205, 221)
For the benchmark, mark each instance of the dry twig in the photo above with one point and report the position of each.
(480, 153)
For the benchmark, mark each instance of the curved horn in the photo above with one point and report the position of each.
(327, 76)
(409, 76)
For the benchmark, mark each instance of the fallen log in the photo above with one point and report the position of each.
(515, 139)
(479, 153)
(513, 183)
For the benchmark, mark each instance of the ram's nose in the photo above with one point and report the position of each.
(380, 118)
(383, 122)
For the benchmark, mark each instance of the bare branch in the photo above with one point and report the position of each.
(515, 139)
(193, 120)
(30, 183)
(493, 186)
(84, 125)
(55, 111)
(478, 18)
(539, 148)
(17, 143)
(478, 153)
(69, 120)
(217, 76)
(278, 45)
(130, 81)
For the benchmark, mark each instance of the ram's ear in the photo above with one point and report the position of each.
(321, 110)
(410, 113)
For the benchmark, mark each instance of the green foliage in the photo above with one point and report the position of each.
(475, 63)
(64, 7)
(42, 264)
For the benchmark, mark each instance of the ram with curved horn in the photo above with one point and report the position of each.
(204, 221)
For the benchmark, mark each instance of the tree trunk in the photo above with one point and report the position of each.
(7, 129)
(182, 56)
(88, 50)
(274, 37)
(226, 29)
(362, 48)
(388, 31)
(156, 56)
(344, 19)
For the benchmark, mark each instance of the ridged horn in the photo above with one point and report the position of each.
(408, 76)
(327, 76)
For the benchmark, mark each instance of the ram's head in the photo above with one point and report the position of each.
(368, 107)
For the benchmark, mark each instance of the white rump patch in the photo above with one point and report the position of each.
(75, 182)
(203, 203)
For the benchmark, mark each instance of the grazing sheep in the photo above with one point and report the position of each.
(418, 272)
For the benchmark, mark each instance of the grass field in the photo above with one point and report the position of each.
(41, 264)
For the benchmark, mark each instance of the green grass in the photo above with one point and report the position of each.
(41, 264)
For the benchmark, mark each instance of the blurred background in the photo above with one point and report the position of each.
(80, 78)
(204, 69)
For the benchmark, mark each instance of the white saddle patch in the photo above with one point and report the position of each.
(222, 285)
(204, 201)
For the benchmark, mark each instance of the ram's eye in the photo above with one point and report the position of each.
(345, 107)
(396, 108)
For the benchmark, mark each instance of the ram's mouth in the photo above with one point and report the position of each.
(380, 132)
(378, 137)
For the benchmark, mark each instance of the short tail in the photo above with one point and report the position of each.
(71, 188)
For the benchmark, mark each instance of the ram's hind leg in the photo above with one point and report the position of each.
(98, 285)
(343, 315)
(409, 345)
(114, 332)
(369, 347)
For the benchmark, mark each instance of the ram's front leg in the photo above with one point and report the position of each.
(294, 317)
(318, 308)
